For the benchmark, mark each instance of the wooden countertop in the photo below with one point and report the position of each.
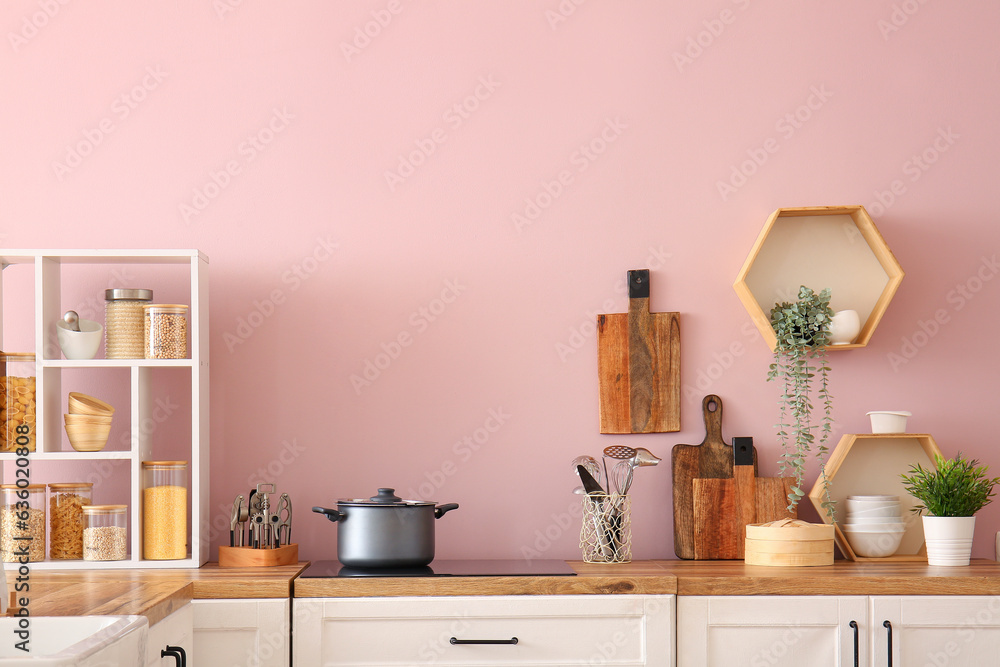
(663, 577)
(151, 593)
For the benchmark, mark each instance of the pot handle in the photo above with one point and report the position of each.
(332, 515)
(441, 509)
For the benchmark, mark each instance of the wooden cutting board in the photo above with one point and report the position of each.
(724, 507)
(639, 365)
(712, 459)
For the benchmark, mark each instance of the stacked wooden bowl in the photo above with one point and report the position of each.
(88, 422)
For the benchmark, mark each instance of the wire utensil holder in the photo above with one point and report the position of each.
(606, 534)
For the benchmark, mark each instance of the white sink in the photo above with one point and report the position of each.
(84, 641)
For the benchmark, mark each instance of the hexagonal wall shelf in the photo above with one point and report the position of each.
(870, 464)
(822, 246)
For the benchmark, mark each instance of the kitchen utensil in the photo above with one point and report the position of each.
(82, 343)
(82, 404)
(234, 521)
(644, 458)
(712, 459)
(591, 464)
(385, 530)
(621, 476)
(285, 519)
(590, 484)
(601, 522)
(724, 507)
(72, 320)
(638, 365)
(619, 452)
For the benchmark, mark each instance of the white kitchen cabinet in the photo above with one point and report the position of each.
(174, 630)
(958, 631)
(242, 632)
(50, 270)
(623, 630)
(761, 631)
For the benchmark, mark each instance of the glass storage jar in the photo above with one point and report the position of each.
(22, 523)
(164, 510)
(17, 402)
(166, 331)
(66, 503)
(105, 535)
(123, 332)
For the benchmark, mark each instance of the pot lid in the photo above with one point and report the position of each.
(385, 498)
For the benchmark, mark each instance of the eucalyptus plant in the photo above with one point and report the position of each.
(959, 487)
(802, 330)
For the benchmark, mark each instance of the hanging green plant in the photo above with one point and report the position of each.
(802, 330)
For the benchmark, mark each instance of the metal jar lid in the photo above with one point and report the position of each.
(385, 498)
(128, 295)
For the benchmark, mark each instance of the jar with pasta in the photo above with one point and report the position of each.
(164, 510)
(22, 523)
(123, 326)
(17, 402)
(105, 536)
(66, 503)
(166, 331)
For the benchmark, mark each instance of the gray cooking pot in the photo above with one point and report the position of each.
(385, 530)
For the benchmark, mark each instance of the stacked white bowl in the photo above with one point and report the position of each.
(873, 525)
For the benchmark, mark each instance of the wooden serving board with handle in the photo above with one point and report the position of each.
(712, 459)
(639, 365)
(723, 508)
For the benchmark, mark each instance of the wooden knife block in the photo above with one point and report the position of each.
(724, 507)
(250, 557)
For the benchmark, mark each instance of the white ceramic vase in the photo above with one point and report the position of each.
(844, 327)
(949, 539)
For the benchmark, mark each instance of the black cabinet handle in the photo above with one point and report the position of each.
(854, 625)
(177, 653)
(888, 627)
(456, 641)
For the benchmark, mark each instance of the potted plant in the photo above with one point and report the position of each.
(951, 494)
(802, 332)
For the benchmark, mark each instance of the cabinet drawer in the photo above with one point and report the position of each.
(550, 630)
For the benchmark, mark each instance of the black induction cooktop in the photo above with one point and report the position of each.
(446, 568)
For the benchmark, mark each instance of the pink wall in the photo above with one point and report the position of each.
(490, 104)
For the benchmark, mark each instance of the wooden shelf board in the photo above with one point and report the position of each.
(822, 246)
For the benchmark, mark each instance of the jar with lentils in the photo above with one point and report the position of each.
(166, 331)
(66, 503)
(22, 523)
(123, 322)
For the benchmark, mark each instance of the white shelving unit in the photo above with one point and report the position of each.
(48, 265)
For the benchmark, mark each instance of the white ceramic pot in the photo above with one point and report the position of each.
(844, 327)
(949, 539)
(80, 344)
(889, 421)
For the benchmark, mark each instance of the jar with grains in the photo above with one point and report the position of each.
(164, 510)
(105, 536)
(123, 327)
(166, 331)
(66, 503)
(22, 523)
(17, 402)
